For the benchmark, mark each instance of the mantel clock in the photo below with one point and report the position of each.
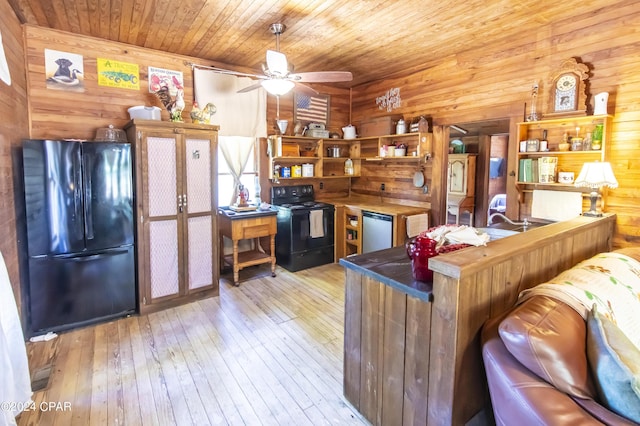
(568, 89)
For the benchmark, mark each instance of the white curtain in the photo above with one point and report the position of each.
(236, 151)
(242, 117)
(238, 114)
(15, 386)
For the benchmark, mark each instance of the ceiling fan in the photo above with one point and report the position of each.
(278, 77)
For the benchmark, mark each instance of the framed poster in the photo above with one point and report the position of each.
(311, 108)
(159, 77)
(64, 70)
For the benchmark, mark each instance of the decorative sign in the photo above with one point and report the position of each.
(64, 71)
(390, 100)
(118, 74)
(159, 78)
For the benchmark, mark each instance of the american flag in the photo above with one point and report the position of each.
(312, 108)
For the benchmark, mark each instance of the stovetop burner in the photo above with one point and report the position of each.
(305, 205)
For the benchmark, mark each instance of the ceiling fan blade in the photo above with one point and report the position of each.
(250, 88)
(304, 89)
(277, 63)
(322, 76)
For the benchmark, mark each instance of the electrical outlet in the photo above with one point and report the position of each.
(321, 185)
(382, 187)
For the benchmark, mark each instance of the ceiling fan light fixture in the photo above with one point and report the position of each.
(277, 87)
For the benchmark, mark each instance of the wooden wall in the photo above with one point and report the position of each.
(60, 114)
(495, 82)
(14, 110)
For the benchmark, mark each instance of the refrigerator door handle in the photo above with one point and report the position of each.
(88, 257)
(88, 211)
(77, 196)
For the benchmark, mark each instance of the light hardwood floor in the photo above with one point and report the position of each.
(266, 352)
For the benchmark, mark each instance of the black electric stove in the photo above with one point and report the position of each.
(305, 228)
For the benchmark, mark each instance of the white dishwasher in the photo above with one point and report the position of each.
(377, 231)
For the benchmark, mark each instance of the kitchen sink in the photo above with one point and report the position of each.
(505, 229)
(496, 233)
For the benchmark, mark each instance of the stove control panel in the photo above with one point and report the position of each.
(288, 194)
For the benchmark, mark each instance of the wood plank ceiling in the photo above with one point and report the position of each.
(374, 39)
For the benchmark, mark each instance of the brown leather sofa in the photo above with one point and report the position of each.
(537, 369)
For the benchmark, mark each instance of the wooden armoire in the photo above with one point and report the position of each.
(176, 211)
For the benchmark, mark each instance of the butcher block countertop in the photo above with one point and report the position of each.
(373, 204)
(352, 207)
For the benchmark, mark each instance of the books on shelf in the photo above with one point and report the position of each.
(528, 171)
(538, 170)
(547, 169)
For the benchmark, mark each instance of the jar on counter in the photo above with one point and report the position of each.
(586, 143)
(576, 144)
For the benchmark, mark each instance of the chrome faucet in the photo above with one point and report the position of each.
(524, 223)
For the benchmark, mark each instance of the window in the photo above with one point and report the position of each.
(225, 179)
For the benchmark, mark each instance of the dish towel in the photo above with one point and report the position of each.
(15, 387)
(316, 227)
(416, 224)
(556, 205)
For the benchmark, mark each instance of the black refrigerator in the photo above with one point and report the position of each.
(79, 232)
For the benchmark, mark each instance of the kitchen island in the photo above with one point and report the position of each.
(412, 352)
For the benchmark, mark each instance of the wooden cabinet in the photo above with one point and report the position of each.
(348, 223)
(461, 185)
(527, 164)
(290, 151)
(175, 192)
(353, 231)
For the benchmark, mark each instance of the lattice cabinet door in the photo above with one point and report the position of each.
(199, 198)
(162, 221)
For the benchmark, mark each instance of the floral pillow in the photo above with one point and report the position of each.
(609, 280)
(615, 363)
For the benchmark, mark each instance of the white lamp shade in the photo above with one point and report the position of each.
(596, 175)
(277, 87)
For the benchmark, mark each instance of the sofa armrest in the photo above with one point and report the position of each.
(521, 398)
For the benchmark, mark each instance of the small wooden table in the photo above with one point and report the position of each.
(243, 226)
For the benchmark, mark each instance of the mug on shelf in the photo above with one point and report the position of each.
(565, 177)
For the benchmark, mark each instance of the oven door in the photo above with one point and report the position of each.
(311, 228)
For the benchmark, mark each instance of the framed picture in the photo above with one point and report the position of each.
(311, 108)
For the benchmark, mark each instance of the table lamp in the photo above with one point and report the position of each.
(596, 175)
